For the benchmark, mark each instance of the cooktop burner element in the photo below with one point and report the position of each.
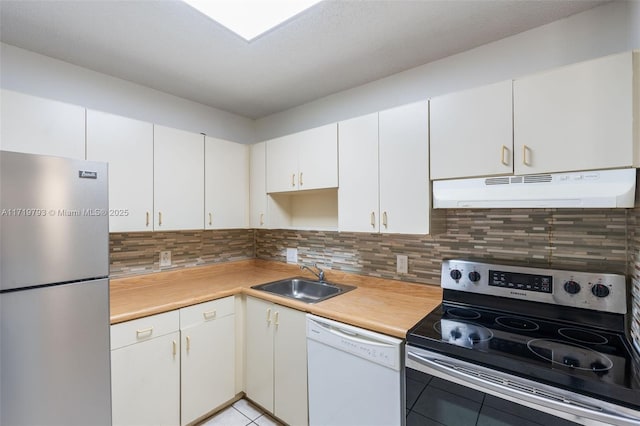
(463, 313)
(583, 336)
(462, 333)
(525, 322)
(570, 355)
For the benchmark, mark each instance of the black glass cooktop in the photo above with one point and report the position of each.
(566, 354)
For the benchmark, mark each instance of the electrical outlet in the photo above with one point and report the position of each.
(292, 255)
(402, 264)
(165, 258)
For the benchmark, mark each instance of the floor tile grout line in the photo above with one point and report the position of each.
(250, 420)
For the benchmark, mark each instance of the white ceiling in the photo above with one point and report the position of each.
(335, 45)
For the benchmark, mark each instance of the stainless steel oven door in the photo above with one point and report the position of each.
(568, 405)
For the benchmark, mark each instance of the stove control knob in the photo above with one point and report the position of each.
(474, 276)
(455, 274)
(600, 290)
(455, 334)
(571, 287)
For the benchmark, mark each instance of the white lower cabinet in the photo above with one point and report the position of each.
(145, 371)
(276, 360)
(175, 367)
(207, 357)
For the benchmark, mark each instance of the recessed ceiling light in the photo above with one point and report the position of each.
(251, 18)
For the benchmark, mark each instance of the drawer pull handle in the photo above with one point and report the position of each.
(145, 332)
(210, 219)
(373, 219)
(147, 221)
(293, 179)
(277, 315)
(209, 315)
(261, 219)
(188, 343)
(269, 316)
(301, 179)
(175, 348)
(384, 219)
(159, 218)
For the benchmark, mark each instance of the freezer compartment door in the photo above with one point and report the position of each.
(54, 355)
(54, 223)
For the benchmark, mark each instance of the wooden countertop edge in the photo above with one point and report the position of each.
(230, 268)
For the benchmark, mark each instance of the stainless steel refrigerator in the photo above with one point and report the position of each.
(54, 292)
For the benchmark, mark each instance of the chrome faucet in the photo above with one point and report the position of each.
(319, 274)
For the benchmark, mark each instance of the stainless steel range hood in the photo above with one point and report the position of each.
(599, 188)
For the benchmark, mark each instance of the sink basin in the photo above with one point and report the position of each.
(304, 290)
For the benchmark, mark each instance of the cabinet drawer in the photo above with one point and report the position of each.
(208, 311)
(130, 332)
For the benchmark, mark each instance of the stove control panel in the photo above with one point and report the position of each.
(601, 292)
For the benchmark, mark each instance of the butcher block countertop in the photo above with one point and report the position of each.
(387, 306)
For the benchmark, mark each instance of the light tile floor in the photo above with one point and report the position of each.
(241, 413)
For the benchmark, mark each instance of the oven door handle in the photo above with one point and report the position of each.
(506, 386)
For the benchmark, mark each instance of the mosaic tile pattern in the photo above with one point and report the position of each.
(567, 238)
(634, 269)
(139, 252)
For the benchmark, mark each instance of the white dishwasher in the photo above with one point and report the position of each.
(355, 376)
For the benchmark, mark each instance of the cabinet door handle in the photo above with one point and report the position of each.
(145, 332)
(209, 315)
(210, 219)
(301, 183)
(293, 179)
(504, 159)
(188, 339)
(276, 318)
(175, 348)
(159, 218)
(526, 149)
(384, 219)
(147, 221)
(261, 219)
(268, 317)
(373, 219)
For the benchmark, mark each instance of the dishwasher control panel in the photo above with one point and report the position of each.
(379, 348)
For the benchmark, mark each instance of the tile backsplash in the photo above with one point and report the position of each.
(594, 239)
(139, 252)
(634, 272)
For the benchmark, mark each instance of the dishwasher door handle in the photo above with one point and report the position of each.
(353, 336)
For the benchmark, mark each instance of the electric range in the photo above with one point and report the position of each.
(546, 339)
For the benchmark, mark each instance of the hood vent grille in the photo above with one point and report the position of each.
(597, 188)
(537, 178)
(497, 181)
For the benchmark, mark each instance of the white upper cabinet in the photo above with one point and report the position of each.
(302, 161)
(405, 196)
(472, 132)
(577, 117)
(41, 126)
(226, 184)
(384, 172)
(127, 145)
(257, 186)
(178, 179)
(358, 202)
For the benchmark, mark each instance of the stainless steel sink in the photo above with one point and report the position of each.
(304, 290)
